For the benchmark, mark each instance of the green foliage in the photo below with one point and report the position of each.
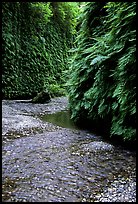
(35, 46)
(102, 85)
(65, 13)
(42, 11)
(56, 90)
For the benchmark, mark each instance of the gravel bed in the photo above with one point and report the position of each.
(120, 190)
(42, 162)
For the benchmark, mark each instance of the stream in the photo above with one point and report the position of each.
(46, 158)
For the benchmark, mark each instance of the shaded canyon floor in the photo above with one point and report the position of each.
(44, 162)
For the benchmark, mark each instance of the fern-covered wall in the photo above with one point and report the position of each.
(102, 85)
(35, 43)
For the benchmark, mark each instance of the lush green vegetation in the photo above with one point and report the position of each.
(35, 42)
(102, 85)
(100, 68)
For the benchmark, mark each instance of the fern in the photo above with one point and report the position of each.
(103, 68)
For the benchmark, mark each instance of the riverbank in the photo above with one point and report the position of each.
(42, 162)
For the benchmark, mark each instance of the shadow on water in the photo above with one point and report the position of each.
(61, 119)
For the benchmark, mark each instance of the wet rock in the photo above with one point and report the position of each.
(42, 97)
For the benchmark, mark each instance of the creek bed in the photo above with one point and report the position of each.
(45, 162)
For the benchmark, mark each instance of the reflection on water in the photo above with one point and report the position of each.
(61, 119)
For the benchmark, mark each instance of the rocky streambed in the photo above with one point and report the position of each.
(44, 162)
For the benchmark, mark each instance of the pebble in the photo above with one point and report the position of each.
(58, 164)
(118, 192)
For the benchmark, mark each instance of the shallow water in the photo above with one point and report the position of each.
(62, 119)
(48, 163)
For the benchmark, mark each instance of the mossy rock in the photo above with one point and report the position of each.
(42, 97)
